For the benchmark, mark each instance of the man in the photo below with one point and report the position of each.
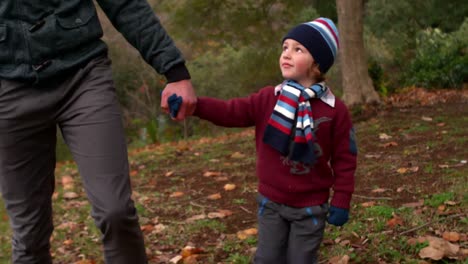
(54, 70)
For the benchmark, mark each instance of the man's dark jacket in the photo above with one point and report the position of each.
(40, 39)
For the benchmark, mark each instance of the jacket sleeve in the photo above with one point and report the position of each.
(236, 112)
(344, 157)
(139, 25)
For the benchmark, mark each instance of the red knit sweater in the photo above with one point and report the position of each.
(280, 179)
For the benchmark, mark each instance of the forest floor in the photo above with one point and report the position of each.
(196, 198)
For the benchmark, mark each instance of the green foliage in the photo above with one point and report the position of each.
(441, 59)
(398, 40)
(439, 198)
(234, 73)
(214, 225)
(62, 152)
(376, 73)
(209, 24)
(380, 211)
(237, 258)
(398, 21)
(235, 45)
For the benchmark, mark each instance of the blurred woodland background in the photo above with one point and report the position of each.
(232, 49)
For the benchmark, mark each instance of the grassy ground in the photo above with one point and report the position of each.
(411, 184)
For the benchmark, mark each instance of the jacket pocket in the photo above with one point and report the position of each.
(77, 26)
(76, 16)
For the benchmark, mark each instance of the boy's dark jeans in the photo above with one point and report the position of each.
(85, 108)
(288, 234)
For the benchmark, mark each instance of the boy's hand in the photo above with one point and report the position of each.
(337, 216)
(183, 89)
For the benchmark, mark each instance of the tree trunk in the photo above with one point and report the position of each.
(357, 85)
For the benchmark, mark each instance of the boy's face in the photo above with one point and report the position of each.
(296, 63)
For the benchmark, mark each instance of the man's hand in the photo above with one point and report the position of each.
(185, 90)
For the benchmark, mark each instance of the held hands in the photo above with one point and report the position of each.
(174, 103)
(180, 108)
(337, 216)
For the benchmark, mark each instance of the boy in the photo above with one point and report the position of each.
(305, 146)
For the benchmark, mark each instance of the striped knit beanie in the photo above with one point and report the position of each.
(320, 37)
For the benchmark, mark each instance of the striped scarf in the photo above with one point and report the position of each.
(293, 106)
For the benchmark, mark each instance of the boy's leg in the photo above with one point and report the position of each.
(306, 235)
(91, 123)
(272, 233)
(27, 163)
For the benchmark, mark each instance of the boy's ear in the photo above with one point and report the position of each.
(315, 71)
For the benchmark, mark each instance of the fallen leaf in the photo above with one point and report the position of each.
(345, 242)
(85, 261)
(71, 226)
(169, 173)
(384, 136)
(450, 203)
(67, 182)
(402, 170)
(237, 155)
(405, 170)
(339, 260)
(147, 228)
(244, 234)
(193, 259)
(195, 218)
(370, 156)
(215, 196)
(176, 260)
(133, 173)
(70, 195)
(451, 236)
(414, 204)
(226, 212)
(176, 194)
(159, 228)
(426, 118)
(229, 187)
(211, 174)
(379, 190)
(189, 251)
(441, 208)
(390, 144)
(438, 249)
(368, 204)
(219, 214)
(400, 189)
(396, 220)
(219, 179)
(68, 242)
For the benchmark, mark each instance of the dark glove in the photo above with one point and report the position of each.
(174, 103)
(337, 216)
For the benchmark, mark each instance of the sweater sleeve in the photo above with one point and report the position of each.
(139, 25)
(344, 157)
(236, 112)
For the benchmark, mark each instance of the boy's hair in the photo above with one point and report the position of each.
(320, 38)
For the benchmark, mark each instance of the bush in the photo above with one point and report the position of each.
(440, 60)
